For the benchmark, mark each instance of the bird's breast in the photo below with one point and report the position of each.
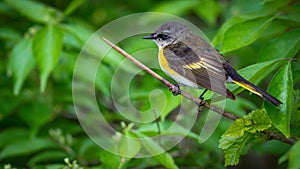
(164, 65)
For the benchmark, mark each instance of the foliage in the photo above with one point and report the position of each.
(41, 41)
(241, 133)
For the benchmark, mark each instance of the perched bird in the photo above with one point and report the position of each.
(192, 61)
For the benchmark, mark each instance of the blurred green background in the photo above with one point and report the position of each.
(41, 40)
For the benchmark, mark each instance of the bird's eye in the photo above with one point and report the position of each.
(163, 36)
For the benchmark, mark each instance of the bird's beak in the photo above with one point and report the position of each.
(150, 37)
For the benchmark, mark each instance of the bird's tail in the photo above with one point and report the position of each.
(260, 92)
(239, 80)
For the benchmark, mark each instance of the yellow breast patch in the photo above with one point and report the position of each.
(164, 63)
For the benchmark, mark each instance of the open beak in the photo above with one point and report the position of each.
(149, 37)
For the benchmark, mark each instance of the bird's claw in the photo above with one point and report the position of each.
(175, 89)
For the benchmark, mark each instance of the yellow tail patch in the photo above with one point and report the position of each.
(248, 87)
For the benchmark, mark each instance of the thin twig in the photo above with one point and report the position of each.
(272, 136)
(189, 96)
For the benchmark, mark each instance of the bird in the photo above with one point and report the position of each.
(192, 61)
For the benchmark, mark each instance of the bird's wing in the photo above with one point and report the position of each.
(199, 66)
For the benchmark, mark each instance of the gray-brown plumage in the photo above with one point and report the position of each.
(192, 61)
(202, 70)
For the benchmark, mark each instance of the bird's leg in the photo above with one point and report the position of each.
(175, 89)
(202, 94)
(201, 97)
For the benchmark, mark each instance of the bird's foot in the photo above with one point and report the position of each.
(175, 90)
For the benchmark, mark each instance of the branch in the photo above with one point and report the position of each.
(189, 96)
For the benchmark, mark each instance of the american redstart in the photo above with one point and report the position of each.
(193, 62)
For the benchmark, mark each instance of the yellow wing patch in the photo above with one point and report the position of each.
(196, 65)
(201, 64)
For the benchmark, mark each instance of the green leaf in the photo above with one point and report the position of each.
(110, 161)
(208, 10)
(175, 7)
(296, 71)
(80, 31)
(128, 147)
(292, 14)
(260, 121)
(257, 120)
(64, 72)
(276, 28)
(244, 33)
(54, 166)
(283, 158)
(89, 149)
(284, 46)
(47, 46)
(9, 34)
(35, 114)
(294, 155)
(8, 102)
(273, 6)
(94, 46)
(153, 148)
(233, 148)
(218, 39)
(34, 10)
(47, 156)
(241, 133)
(269, 8)
(91, 44)
(166, 160)
(21, 63)
(9, 135)
(281, 87)
(72, 6)
(26, 147)
(71, 41)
